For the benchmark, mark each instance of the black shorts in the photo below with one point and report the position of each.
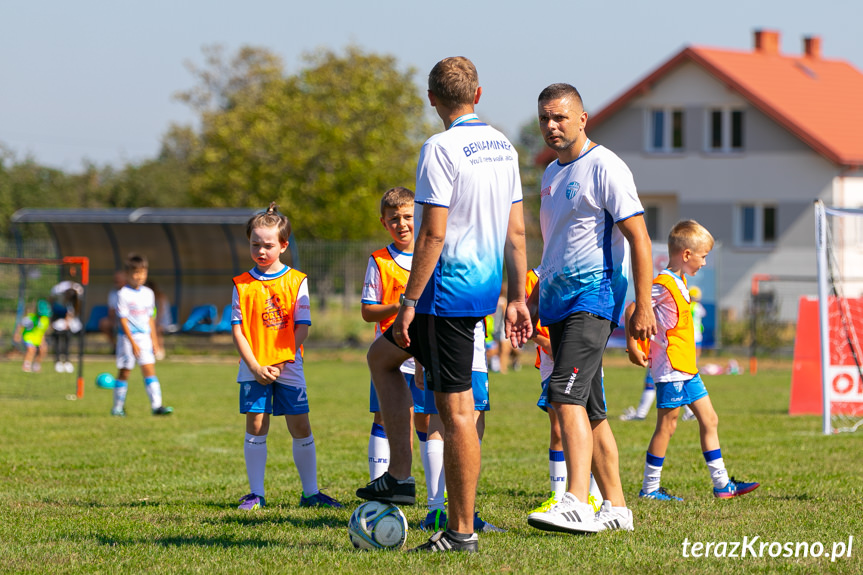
(577, 344)
(444, 347)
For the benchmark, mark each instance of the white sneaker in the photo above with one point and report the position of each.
(610, 518)
(569, 515)
(629, 414)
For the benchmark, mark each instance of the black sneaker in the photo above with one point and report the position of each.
(388, 488)
(443, 541)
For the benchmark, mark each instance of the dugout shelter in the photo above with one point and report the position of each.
(193, 253)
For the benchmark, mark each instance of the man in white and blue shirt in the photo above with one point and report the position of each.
(590, 216)
(469, 209)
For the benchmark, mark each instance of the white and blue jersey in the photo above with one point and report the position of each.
(585, 260)
(471, 169)
(138, 306)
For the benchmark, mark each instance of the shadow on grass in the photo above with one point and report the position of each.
(216, 542)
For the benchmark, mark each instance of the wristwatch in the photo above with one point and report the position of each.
(407, 302)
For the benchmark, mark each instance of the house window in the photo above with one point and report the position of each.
(725, 130)
(756, 225)
(651, 220)
(665, 130)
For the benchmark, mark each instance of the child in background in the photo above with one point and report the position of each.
(136, 341)
(270, 320)
(672, 361)
(31, 332)
(386, 276)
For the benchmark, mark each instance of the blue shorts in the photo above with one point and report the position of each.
(543, 403)
(479, 384)
(417, 394)
(673, 394)
(276, 398)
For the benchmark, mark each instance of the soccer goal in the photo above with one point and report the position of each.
(839, 256)
(26, 281)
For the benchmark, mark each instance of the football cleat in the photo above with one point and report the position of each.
(118, 412)
(163, 410)
(251, 501)
(480, 526)
(434, 521)
(319, 499)
(660, 495)
(546, 505)
(629, 414)
(734, 488)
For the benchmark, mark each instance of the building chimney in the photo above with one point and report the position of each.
(766, 42)
(812, 46)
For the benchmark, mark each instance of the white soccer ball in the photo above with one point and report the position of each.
(378, 525)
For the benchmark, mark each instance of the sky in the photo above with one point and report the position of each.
(94, 80)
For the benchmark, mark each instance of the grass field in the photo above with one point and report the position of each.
(81, 491)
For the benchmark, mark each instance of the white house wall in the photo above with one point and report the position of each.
(775, 168)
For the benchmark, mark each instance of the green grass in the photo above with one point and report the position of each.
(81, 491)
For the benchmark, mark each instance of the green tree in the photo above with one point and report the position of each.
(324, 143)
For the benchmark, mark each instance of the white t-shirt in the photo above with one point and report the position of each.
(137, 306)
(471, 169)
(373, 291)
(292, 373)
(585, 259)
(665, 310)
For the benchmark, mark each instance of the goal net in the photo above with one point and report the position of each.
(35, 288)
(839, 249)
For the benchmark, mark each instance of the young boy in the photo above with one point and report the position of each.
(270, 319)
(386, 276)
(672, 360)
(31, 332)
(136, 342)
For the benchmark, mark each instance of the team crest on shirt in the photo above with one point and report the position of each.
(274, 317)
(572, 189)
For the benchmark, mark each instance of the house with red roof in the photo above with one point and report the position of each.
(744, 142)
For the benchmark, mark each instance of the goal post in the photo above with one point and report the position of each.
(24, 264)
(839, 258)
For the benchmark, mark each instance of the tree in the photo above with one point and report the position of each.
(324, 143)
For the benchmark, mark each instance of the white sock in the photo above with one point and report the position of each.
(557, 473)
(647, 397)
(716, 466)
(120, 390)
(255, 451)
(154, 392)
(424, 452)
(652, 473)
(306, 460)
(435, 478)
(379, 452)
(594, 488)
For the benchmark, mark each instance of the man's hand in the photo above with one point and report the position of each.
(642, 324)
(400, 326)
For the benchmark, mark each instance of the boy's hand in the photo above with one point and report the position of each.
(267, 374)
(519, 327)
(637, 356)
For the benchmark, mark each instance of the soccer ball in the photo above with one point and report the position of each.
(105, 381)
(378, 525)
